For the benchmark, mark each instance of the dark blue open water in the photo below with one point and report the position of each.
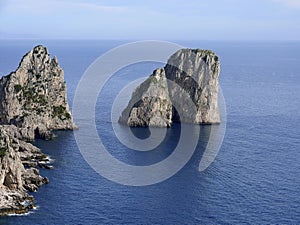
(254, 179)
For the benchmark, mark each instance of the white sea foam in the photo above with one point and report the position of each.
(25, 214)
(50, 160)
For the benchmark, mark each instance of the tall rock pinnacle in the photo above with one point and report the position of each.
(35, 94)
(33, 102)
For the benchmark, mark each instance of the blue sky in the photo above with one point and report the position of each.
(153, 19)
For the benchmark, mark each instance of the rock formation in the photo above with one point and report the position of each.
(33, 102)
(157, 101)
(34, 95)
(15, 179)
(150, 104)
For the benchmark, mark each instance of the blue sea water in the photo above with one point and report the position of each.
(256, 175)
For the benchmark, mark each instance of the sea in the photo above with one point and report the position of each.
(253, 179)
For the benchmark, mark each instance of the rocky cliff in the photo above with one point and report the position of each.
(34, 96)
(188, 72)
(33, 102)
(18, 172)
(150, 104)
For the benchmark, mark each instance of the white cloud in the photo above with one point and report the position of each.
(174, 19)
(289, 3)
(51, 6)
(98, 7)
(62, 18)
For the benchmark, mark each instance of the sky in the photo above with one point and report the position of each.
(150, 19)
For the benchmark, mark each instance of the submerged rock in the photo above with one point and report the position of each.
(158, 100)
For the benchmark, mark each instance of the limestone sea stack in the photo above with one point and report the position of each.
(34, 96)
(162, 99)
(33, 103)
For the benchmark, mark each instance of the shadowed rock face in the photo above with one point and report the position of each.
(189, 73)
(34, 96)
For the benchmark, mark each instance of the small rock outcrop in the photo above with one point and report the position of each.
(189, 72)
(33, 103)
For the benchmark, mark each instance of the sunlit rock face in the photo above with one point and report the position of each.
(33, 102)
(185, 90)
(34, 96)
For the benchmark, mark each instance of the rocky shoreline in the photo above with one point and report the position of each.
(19, 172)
(33, 103)
(15, 202)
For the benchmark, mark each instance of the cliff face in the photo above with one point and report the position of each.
(11, 168)
(33, 102)
(15, 179)
(150, 104)
(190, 72)
(35, 95)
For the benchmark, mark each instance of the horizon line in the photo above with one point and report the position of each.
(147, 39)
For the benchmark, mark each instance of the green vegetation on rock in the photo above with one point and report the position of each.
(18, 88)
(61, 112)
(153, 79)
(3, 151)
(29, 94)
